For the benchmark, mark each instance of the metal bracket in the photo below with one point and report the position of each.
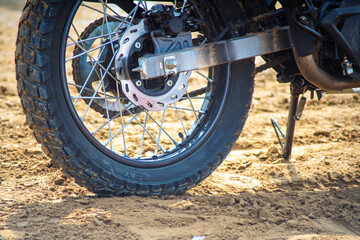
(216, 53)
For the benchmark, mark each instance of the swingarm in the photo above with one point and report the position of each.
(213, 54)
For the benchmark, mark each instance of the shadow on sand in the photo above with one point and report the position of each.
(285, 215)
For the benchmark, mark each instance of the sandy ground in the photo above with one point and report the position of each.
(254, 194)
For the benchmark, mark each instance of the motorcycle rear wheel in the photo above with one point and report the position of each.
(141, 152)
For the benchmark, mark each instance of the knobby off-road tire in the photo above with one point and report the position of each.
(44, 95)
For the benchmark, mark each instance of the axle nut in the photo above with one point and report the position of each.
(171, 63)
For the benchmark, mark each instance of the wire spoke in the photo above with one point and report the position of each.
(167, 134)
(105, 20)
(162, 149)
(98, 11)
(85, 88)
(194, 98)
(183, 6)
(121, 117)
(207, 78)
(161, 127)
(92, 100)
(100, 98)
(86, 52)
(93, 38)
(92, 91)
(192, 106)
(144, 4)
(76, 32)
(122, 129)
(102, 126)
(134, 11)
(187, 109)
(108, 7)
(98, 87)
(108, 118)
(93, 67)
(143, 136)
(203, 42)
(182, 122)
(82, 44)
(92, 58)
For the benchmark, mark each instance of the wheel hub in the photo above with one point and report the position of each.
(154, 94)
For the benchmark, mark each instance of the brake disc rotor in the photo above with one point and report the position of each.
(153, 94)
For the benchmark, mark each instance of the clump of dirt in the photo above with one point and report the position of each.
(273, 155)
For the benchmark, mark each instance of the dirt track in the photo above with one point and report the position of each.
(254, 194)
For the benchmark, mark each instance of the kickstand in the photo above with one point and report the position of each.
(295, 111)
(277, 131)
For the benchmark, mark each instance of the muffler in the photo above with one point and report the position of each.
(321, 79)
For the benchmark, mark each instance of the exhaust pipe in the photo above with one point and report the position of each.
(321, 79)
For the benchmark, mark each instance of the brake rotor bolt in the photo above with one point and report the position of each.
(138, 83)
(138, 45)
(170, 83)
